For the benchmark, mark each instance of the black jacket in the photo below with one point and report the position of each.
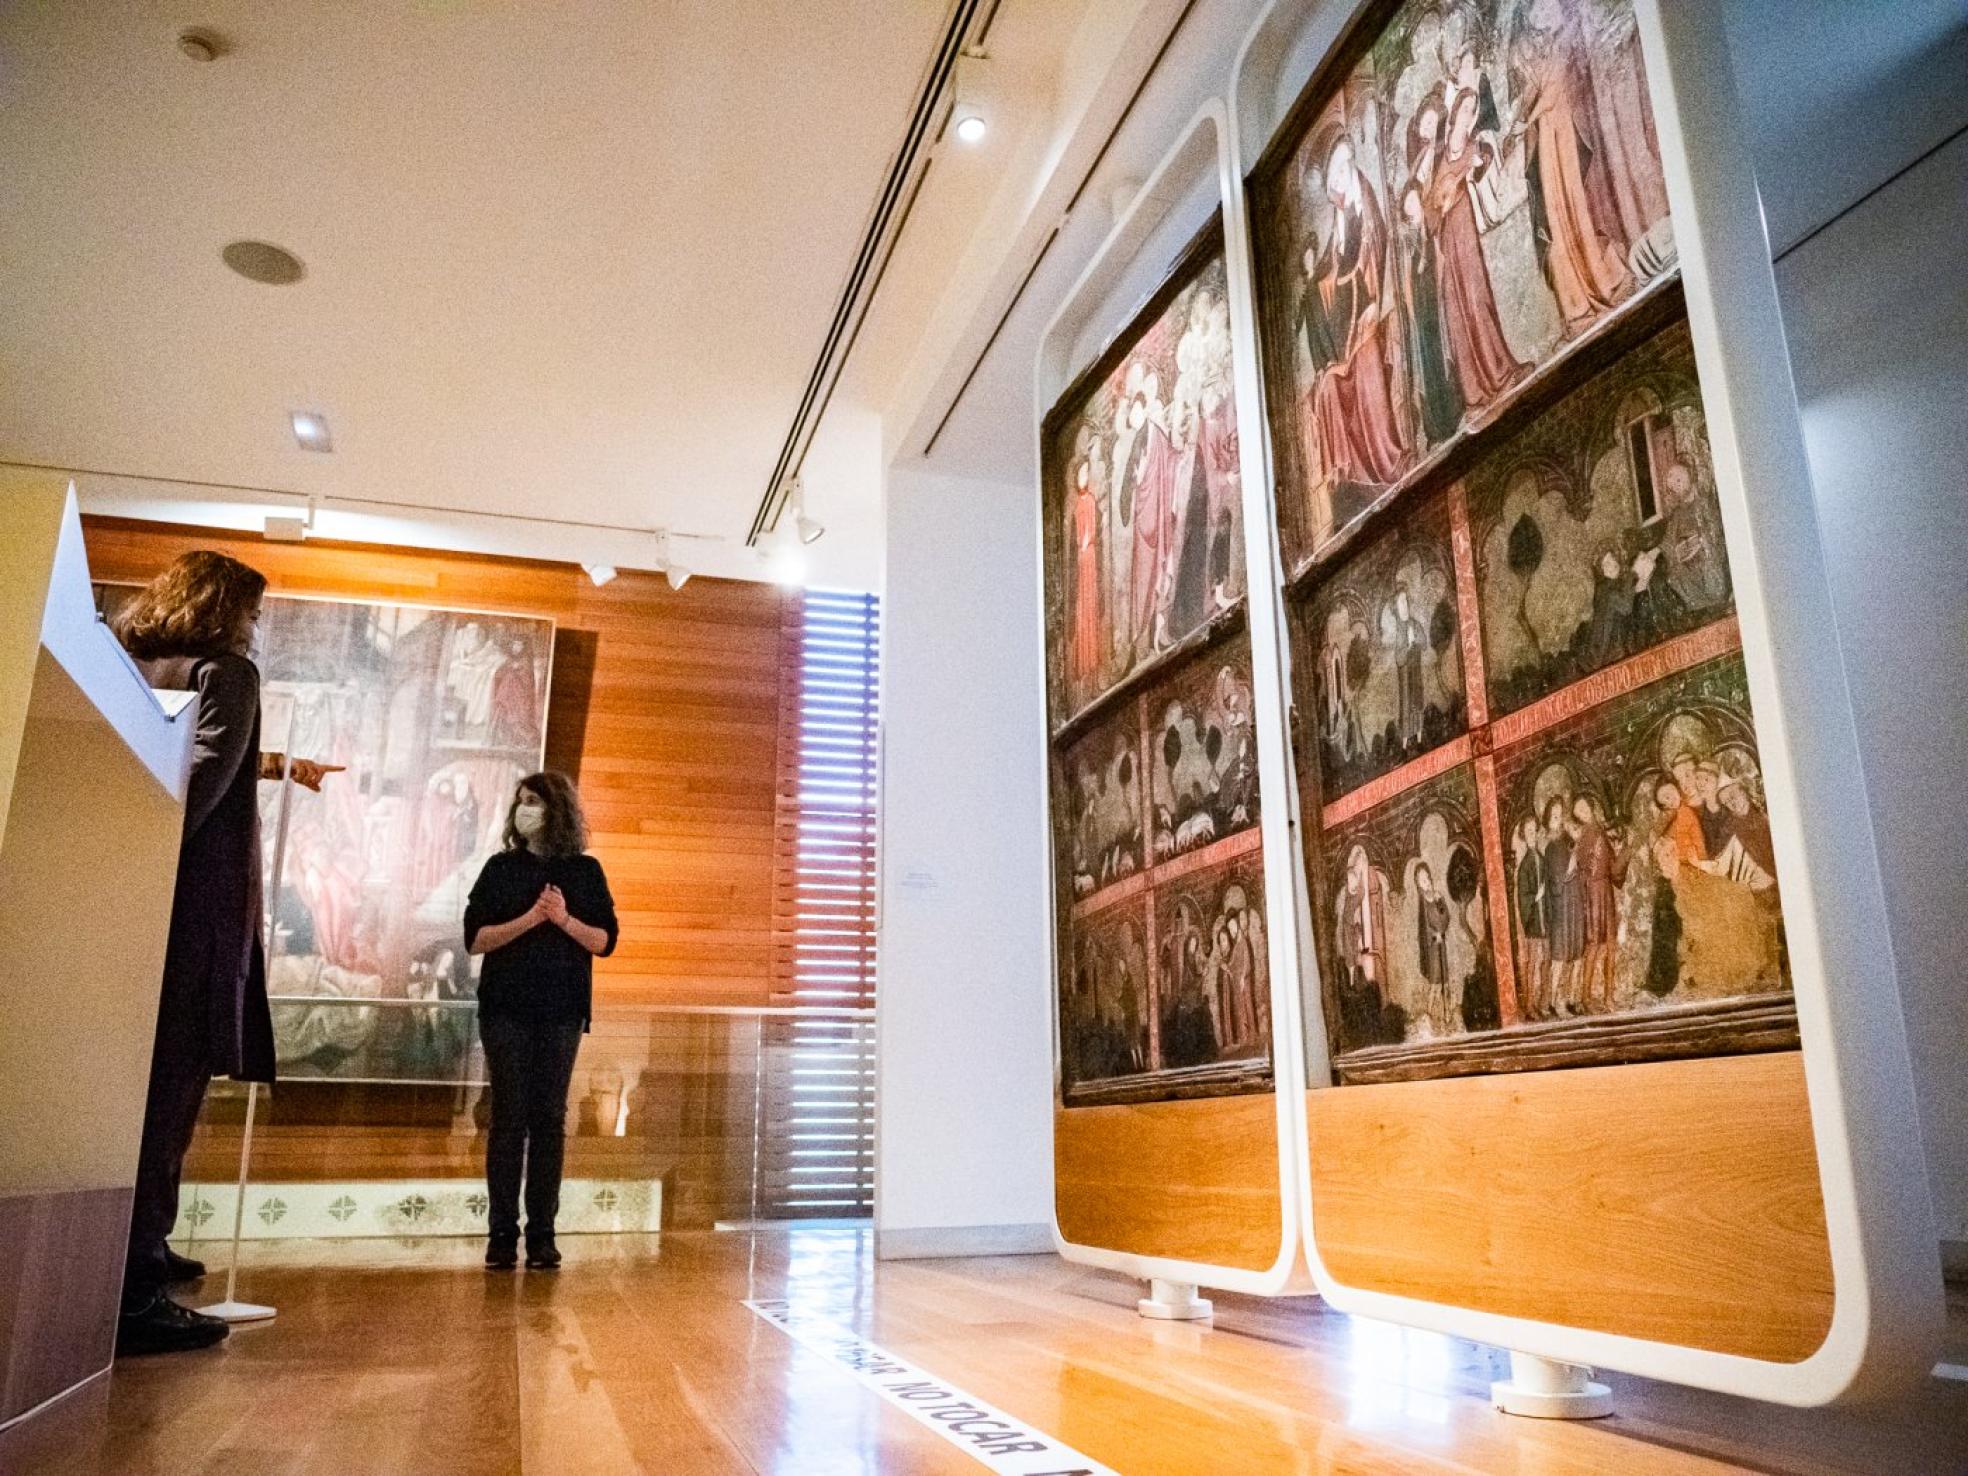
(215, 959)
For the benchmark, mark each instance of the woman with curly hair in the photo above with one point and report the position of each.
(540, 913)
(194, 628)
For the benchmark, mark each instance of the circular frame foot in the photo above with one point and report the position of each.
(238, 1313)
(1545, 1389)
(1174, 1301)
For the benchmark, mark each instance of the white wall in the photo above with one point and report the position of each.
(1877, 317)
(964, 1146)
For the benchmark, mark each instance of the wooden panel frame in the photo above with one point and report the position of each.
(1183, 1190)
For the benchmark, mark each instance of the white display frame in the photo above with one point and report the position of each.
(1886, 1318)
(1202, 154)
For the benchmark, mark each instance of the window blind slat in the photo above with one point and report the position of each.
(817, 1093)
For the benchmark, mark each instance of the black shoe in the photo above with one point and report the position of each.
(181, 1268)
(542, 1255)
(501, 1254)
(163, 1326)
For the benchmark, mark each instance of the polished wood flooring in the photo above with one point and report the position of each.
(639, 1356)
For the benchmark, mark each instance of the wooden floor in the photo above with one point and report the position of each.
(639, 1356)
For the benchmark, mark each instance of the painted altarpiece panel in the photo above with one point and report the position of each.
(1164, 988)
(1142, 504)
(1598, 534)
(1163, 977)
(1470, 192)
(435, 715)
(1605, 779)
(1384, 633)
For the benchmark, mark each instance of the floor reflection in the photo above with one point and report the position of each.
(640, 1355)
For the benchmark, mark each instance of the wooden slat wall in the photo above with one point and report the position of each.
(665, 706)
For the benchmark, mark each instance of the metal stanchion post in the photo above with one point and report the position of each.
(232, 1309)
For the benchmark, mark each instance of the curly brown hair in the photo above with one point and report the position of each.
(567, 828)
(194, 608)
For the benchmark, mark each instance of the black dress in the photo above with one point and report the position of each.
(212, 1015)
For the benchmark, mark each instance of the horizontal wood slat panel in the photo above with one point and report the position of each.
(1193, 1180)
(1676, 1201)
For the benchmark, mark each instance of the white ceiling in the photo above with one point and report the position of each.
(1837, 100)
(567, 261)
(579, 265)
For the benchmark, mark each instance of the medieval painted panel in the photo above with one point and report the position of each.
(1404, 920)
(1469, 197)
(1160, 889)
(1384, 680)
(1202, 751)
(1142, 503)
(1106, 1003)
(1098, 816)
(1596, 529)
(1641, 870)
(436, 715)
(1212, 976)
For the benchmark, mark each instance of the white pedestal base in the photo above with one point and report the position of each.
(1174, 1301)
(238, 1312)
(1544, 1389)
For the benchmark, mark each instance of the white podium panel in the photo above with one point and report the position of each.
(92, 775)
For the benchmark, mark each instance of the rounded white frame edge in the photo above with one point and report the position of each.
(1203, 147)
(1886, 1316)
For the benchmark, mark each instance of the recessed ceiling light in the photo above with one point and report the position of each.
(201, 44)
(262, 261)
(311, 431)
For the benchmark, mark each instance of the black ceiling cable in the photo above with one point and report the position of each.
(892, 206)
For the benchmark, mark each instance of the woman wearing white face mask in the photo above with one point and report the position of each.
(540, 913)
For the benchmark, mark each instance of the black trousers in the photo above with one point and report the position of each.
(180, 1070)
(530, 1063)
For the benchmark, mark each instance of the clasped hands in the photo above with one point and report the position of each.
(550, 907)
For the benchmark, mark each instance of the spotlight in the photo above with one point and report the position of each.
(311, 430)
(677, 575)
(966, 118)
(284, 527)
(810, 529)
(600, 573)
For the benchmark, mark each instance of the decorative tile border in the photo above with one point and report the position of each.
(401, 1207)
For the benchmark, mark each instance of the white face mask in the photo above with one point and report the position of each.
(530, 818)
